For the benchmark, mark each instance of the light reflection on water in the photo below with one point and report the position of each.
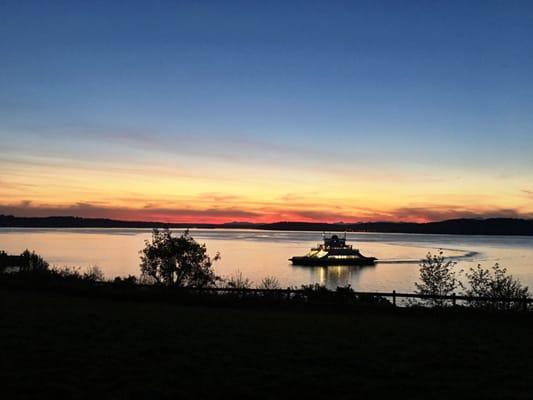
(258, 254)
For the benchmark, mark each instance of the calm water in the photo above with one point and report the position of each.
(264, 253)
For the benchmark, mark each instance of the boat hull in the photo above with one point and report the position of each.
(332, 261)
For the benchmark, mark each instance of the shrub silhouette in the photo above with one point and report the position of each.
(130, 280)
(32, 262)
(494, 283)
(238, 281)
(66, 273)
(269, 282)
(437, 277)
(176, 261)
(93, 274)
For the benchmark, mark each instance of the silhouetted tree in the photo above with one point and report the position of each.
(269, 282)
(93, 274)
(238, 281)
(494, 283)
(437, 277)
(177, 261)
(32, 262)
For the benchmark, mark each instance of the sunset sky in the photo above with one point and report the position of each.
(264, 111)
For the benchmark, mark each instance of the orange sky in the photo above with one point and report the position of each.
(176, 187)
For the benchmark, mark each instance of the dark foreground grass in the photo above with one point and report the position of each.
(57, 346)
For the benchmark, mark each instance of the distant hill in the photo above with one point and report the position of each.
(10, 221)
(490, 226)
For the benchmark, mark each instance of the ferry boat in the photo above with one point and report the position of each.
(334, 251)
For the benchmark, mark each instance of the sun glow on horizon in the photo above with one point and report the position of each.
(237, 190)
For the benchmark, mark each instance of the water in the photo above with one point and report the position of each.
(258, 254)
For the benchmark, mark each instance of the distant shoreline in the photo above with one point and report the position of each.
(490, 226)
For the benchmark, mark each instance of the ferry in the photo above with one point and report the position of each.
(334, 251)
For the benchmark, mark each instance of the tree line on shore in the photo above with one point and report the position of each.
(460, 226)
(181, 262)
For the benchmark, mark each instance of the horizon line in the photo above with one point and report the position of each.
(132, 221)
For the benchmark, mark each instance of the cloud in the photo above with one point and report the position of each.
(218, 197)
(439, 213)
(155, 212)
(147, 213)
(326, 216)
(291, 197)
(228, 147)
(15, 185)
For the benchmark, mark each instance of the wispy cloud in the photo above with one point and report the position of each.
(438, 213)
(15, 185)
(148, 213)
(219, 197)
(218, 214)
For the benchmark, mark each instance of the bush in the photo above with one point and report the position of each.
(269, 282)
(238, 281)
(314, 288)
(67, 273)
(494, 283)
(437, 277)
(314, 291)
(130, 280)
(93, 274)
(32, 262)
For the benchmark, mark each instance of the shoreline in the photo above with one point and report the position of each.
(229, 229)
(464, 226)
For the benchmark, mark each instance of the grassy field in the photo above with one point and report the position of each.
(55, 345)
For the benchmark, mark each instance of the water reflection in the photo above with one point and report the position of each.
(334, 276)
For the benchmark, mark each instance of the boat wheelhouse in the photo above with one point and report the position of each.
(334, 251)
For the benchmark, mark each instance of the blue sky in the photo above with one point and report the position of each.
(410, 86)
